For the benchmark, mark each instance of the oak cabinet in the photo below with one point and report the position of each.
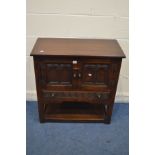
(76, 79)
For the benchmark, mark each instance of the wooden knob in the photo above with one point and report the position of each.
(52, 94)
(74, 75)
(79, 75)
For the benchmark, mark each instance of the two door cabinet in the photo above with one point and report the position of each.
(76, 79)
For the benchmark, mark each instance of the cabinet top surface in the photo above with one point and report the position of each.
(77, 47)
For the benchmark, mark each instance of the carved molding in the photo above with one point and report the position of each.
(91, 95)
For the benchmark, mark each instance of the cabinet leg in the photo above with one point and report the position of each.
(41, 112)
(109, 109)
(41, 120)
(107, 120)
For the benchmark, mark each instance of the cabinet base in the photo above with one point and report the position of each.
(75, 119)
(75, 112)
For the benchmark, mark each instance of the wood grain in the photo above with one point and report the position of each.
(77, 47)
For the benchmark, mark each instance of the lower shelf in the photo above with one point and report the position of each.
(73, 111)
(74, 117)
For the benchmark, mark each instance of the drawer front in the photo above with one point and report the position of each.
(61, 96)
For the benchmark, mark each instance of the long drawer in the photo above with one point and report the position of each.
(76, 96)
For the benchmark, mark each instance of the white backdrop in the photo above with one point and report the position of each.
(78, 19)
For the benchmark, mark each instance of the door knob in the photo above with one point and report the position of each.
(89, 74)
(74, 75)
(52, 94)
(79, 75)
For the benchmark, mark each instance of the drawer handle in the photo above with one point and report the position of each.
(89, 74)
(99, 95)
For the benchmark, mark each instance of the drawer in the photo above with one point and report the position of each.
(81, 96)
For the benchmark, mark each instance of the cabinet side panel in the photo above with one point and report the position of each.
(114, 76)
(37, 75)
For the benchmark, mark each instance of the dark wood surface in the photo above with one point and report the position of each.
(77, 47)
(76, 87)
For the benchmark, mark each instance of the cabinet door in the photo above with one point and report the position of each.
(95, 74)
(56, 74)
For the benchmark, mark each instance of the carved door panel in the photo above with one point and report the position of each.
(85, 74)
(95, 75)
(56, 75)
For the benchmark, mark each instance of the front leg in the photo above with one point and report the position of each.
(107, 119)
(108, 113)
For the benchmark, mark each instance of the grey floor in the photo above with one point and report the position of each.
(78, 138)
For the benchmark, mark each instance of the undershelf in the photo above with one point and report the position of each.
(73, 111)
(74, 117)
